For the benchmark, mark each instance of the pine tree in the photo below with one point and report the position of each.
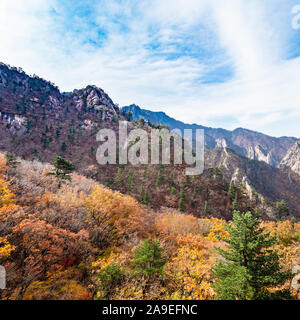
(282, 209)
(11, 159)
(63, 147)
(148, 258)
(62, 169)
(110, 277)
(158, 178)
(144, 197)
(231, 190)
(251, 264)
(173, 191)
(187, 181)
(206, 207)
(181, 201)
(207, 193)
(235, 203)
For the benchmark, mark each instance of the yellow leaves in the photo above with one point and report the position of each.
(103, 262)
(190, 269)
(6, 197)
(59, 286)
(5, 248)
(217, 229)
(286, 232)
(288, 239)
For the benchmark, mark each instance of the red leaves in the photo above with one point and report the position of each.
(68, 262)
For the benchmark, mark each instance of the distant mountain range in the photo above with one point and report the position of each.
(247, 143)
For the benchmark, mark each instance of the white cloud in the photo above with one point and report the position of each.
(251, 36)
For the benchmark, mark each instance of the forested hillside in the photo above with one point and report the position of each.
(81, 240)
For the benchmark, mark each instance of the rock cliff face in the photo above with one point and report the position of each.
(247, 143)
(292, 159)
(258, 177)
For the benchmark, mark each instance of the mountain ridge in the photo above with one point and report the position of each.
(38, 122)
(262, 148)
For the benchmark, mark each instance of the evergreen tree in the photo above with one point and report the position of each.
(231, 190)
(206, 207)
(173, 191)
(63, 147)
(158, 178)
(11, 159)
(144, 197)
(181, 201)
(282, 209)
(235, 203)
(251, 264)
(207, 193)
(187, 181)
(148, 258)
(62, 169)
(110, 277)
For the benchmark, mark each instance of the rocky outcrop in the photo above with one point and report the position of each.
(292, 159)
(260, 154)
(95, 99)
(16, 123)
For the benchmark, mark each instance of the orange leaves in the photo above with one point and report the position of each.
(46, 246)
(111, 203)
(173, 222)
(57, 236)
(122, 212)
(3, 166)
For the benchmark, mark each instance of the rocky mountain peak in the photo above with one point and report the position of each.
(94, 98)
(292, 158)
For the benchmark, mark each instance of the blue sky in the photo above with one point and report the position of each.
(229, 64)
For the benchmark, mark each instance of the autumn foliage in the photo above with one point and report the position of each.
(84, 240)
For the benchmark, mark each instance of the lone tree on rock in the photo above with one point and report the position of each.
(251, 265)
(62, 170)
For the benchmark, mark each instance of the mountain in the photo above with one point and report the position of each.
(247, 143)
(38, 122)
(292, 159)
(258, 178)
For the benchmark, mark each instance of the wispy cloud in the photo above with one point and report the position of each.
(219, 63)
